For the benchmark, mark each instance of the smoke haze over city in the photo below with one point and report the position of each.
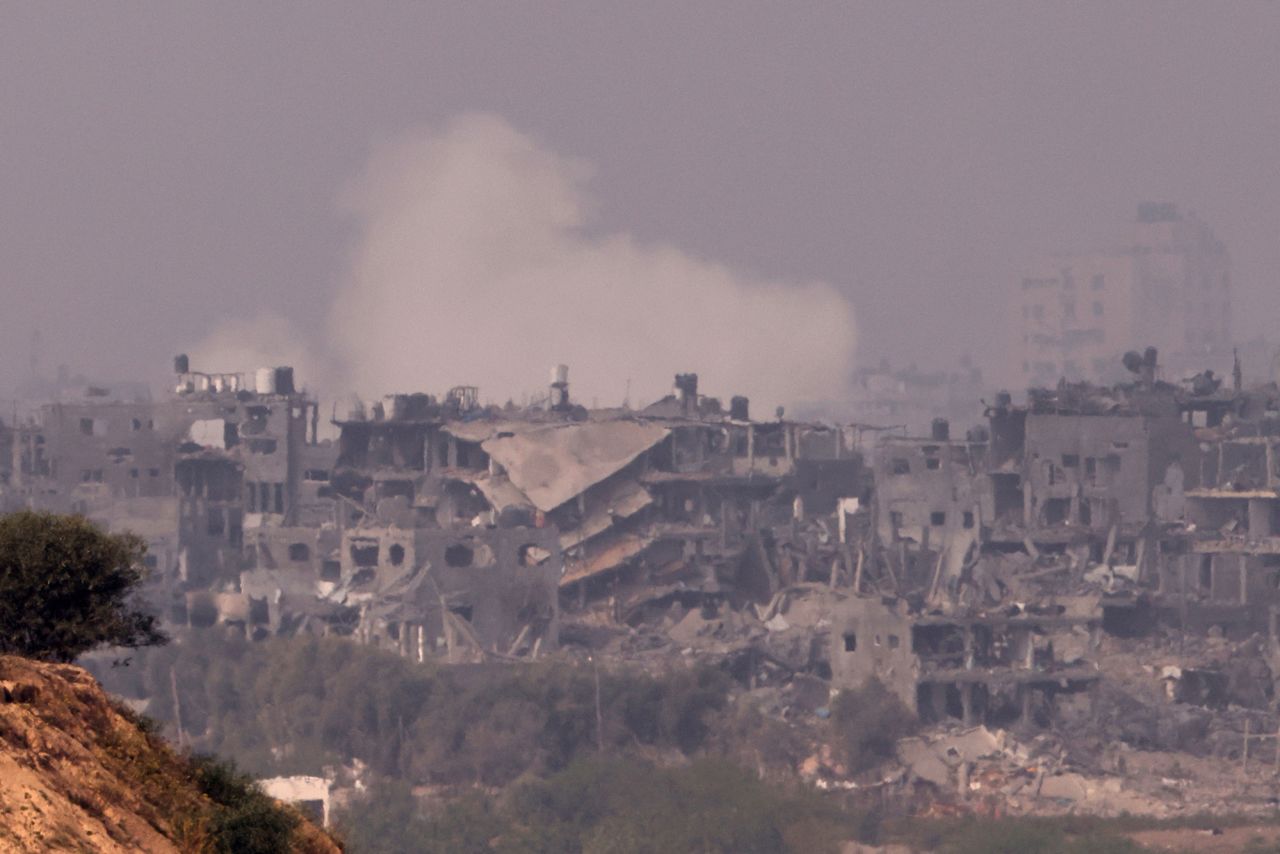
(174, 173)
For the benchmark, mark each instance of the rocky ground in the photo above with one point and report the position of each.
(78, 773)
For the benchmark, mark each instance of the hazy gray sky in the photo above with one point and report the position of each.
(168, 168)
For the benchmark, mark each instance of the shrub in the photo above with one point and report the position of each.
(65, 586)
(244, 820)
(868, 722)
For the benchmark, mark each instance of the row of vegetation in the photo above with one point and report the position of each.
(297, 705)
(601, 805)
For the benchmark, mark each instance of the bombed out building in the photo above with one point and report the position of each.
(995, 560)
(435, 526)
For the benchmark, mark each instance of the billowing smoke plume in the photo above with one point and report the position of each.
(473, 267)
(265, 340)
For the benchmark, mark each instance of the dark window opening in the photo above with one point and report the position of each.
(463, 611)
(299, 552)
(279, 497)
(395, 554)
(153, 472)
(330, 570)
(968, 518)
(850, 642)
(932, 463)
(458, 555)
(364, 554)
(1070, 461)
(1206, 573)
(937, 518)
(901, 466)
(894, 643)
(136, 424)
(262, 446)
(1056, 511)
(202, 613)
(319, 475)
(86, 426)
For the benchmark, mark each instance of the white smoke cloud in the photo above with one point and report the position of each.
(266, 340)
(473, 267)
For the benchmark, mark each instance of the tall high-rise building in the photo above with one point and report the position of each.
(1169, 286)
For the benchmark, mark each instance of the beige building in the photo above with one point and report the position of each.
(1168, 287)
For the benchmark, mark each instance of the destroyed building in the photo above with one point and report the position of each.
(999, 667)
(438, 526)
(1088, 508)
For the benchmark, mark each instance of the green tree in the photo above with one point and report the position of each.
(868, 722)
(65, 587)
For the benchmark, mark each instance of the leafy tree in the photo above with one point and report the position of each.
(868, 722)
(65, 586)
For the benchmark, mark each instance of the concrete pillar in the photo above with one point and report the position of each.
(1259, 518)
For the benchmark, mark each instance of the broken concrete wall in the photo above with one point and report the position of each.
(871, 638)
(929, 491)
(1094, 471)
(495, 589)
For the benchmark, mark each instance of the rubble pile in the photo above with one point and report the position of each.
(1097, 568)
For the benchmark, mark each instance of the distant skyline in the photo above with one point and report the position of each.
(171, 171)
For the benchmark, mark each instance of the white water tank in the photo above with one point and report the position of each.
(560, 375)
(264, 381)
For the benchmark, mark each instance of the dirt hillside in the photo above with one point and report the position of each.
(78, 773)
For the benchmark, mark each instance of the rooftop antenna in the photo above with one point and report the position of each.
(626, 396)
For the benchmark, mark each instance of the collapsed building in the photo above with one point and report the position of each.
(978, 574)
(1114, 509)
(435, 525)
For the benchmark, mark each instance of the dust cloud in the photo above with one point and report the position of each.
(475, 264)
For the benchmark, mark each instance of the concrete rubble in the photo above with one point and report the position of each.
(1079, 597)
